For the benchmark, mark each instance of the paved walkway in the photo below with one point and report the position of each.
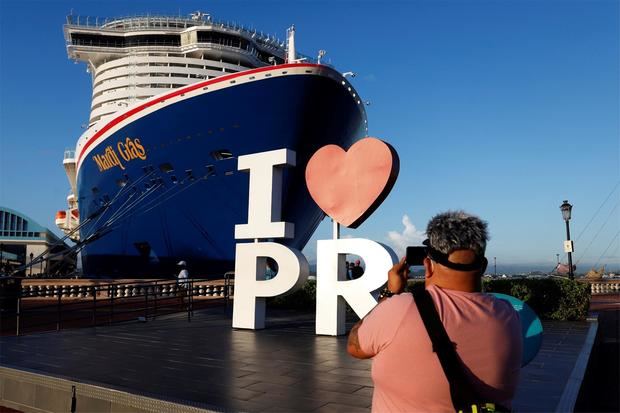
(599, 392)
(282, 368)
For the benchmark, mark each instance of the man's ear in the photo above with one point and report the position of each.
(485, 263)
(428, 268)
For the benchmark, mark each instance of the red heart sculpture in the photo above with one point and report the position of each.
(349, 186)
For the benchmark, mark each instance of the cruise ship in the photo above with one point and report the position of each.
(175, 101)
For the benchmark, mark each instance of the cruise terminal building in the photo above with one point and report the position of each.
(23, 239)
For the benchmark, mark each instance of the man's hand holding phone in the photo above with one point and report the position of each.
(397, 277)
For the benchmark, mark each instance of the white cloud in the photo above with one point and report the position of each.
(409, 236)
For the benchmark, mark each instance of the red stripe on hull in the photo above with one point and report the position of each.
(181, 91)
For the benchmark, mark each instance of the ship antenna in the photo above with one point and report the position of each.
(290, 45)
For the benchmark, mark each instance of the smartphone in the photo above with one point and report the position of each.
(415, 255)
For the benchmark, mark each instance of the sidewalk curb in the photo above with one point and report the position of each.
(573, 385)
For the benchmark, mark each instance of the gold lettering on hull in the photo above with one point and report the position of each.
(129, 150)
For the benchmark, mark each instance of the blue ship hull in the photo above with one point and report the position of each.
(180, 196)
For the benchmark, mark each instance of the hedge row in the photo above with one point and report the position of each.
(550, 298)
(303, 299)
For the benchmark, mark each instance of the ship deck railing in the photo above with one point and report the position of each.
(49, 304)
(151, 22)
(154, 22)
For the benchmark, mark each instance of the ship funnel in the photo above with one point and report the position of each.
(290, 45)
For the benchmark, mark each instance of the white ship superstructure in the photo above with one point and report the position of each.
(135, 58)
(132, 59)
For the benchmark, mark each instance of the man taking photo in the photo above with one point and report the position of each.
(485, 332)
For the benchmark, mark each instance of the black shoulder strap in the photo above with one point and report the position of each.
(461, 391)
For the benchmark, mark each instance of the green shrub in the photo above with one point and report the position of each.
(303, 299)
(550, 298)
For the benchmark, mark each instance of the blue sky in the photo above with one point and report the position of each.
(501, 108)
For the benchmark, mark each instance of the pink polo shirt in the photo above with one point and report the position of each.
(407, 374)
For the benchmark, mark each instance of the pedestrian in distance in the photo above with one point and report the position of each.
(357, 271)
(182, 279)
(350, 266)
(448, 346)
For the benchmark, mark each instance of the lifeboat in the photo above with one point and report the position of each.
(67, 221)
(61, 219)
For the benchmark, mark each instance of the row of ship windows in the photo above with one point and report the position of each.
(188, 56)
(166, 64)
(122, 102)
(116, 102)
(235, 62)
(154, 85)
(259, 54)
(124, 76)
(170, 86)
(160, 54)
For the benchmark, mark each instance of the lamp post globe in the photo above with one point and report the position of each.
(566, 209)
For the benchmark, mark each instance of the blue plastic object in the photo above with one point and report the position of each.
(531, 327)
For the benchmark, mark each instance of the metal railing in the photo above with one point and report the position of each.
(38, 308)
(155, 22)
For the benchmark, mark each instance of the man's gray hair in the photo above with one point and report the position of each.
(457, 230)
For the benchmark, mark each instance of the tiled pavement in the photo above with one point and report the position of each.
(282, 368)
(544, 381)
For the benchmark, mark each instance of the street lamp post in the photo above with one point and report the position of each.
(566, 209)
(1, 249)
(495, 265)
(31, 256)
